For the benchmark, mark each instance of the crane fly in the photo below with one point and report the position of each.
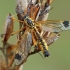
(34, 31)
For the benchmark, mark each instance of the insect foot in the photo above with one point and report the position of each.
(46, 53)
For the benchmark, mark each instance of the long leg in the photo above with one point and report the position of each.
(21, 29)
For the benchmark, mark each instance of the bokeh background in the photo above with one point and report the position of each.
(60, 50)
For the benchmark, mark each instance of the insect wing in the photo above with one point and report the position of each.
(26, 43)
(51, 29)
(54, 25)
(50, 37)
(24, 48)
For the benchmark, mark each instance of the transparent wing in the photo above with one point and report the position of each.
(54, 25)
(50, 37)
(26, 43)
(24, 48)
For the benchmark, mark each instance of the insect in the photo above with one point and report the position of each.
(34, 31)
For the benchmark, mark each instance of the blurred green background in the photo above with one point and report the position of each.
(60, 50)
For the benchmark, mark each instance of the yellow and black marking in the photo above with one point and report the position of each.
(44, 46)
